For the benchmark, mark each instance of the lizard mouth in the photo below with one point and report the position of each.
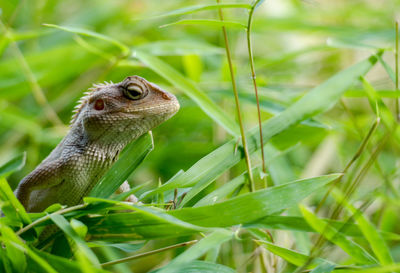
(169, 107)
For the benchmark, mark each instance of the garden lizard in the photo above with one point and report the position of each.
(107, 118)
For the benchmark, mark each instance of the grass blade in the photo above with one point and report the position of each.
(208, 23)
(369, 231)
(332, 234)
(133, 155)
(85, 32)
(197, 8)
(214, 239)
(290, 256)
(15, 164)
(251, 206)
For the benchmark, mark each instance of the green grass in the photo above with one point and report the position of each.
(326, 81)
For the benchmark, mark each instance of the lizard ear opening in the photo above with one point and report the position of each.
(99, 104)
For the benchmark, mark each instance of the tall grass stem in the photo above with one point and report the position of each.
(253, 77)
(235, 92)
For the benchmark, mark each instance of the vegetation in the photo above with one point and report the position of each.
(316, 81)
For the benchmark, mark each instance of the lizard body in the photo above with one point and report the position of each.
(108, 118)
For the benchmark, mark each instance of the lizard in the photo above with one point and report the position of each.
(108, 117)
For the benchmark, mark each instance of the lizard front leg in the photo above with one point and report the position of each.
(43, 177)
(125, 188)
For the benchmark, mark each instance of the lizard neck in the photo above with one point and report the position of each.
(78, 144)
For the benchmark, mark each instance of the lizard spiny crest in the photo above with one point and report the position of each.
(84, 99)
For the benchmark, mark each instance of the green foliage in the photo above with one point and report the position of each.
(325, 74)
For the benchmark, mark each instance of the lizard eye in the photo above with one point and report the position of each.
(134, 92)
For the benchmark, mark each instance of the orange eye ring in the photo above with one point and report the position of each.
(99, 105)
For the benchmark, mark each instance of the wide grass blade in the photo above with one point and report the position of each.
(149, 223)
(251, 206)
(131, 158)
(318, 100)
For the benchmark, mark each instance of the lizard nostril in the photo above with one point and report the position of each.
(165, 96)
(99, 104)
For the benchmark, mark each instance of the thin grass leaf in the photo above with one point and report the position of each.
(8, 237)
(222, 192)
(145, 223)
(198, 266)
(375, 240)
(190, 89)
(14, 254)
(291, 256)
(15, 164)
(197, 8)
(199, 249)
(324, 267)
(10, 205)
(374, 269)
(318, 100)
(125, 49)
(61, 264)
(332, 234)
(208, 23)
(387, 68)
(377, 103)
(180, 48)
(84, 252)
(133, 155)
(294, 223)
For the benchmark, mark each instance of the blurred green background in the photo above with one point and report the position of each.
(297, 45)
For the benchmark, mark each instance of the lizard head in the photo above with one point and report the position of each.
(123, 111)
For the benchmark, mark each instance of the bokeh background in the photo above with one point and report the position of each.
(297, 45)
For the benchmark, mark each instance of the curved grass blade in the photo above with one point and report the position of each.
(8, 237)
(10, 205)
(199, 266)
(131, 158)
(299, 224)
(208, 23)
(197, 8)
(332, 234)
(84, 253)
(325, 267)
(369, 231)
(222, 192)
(318, 100)
(291, 256)
(199, 249)
(13, 165)
(125, 50)
(190, 89)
